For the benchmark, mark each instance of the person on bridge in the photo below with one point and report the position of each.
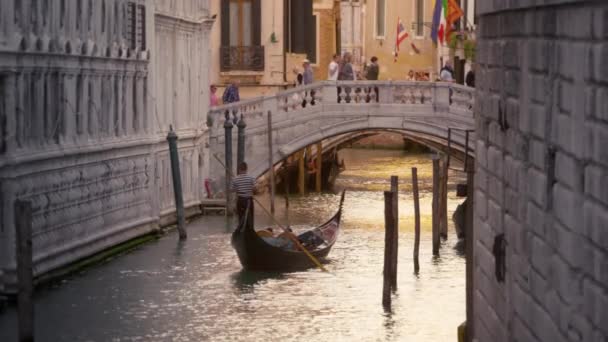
(307, 75)
(447, 72)
(244, 186)
(372, 71)
(308, 78)
(231, 94)
(470, 79)
(334, 68)
(346, 73)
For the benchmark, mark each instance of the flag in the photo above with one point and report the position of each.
(436, 21)
(401, 35)
(454, 13)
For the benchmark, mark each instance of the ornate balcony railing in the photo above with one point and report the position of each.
(242, 58)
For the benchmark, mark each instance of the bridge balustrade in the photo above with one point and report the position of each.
(304, 115)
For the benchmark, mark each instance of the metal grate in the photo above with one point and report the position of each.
(242, 58)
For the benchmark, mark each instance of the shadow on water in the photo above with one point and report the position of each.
(246, 281)
(459, 247)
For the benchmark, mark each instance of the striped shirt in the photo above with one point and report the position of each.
(243, 185)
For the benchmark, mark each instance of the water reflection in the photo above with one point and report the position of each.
(246, 281)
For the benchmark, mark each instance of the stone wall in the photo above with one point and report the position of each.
(79, 136)
(542, 171)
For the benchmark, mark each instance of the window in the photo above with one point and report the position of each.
(380, 18)
(240, 22)
(419, 18)
(136, 26)
(241, 35)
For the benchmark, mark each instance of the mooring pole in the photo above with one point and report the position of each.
(240, 146)
(395, 238)
(443, 197)
(318, 175)
(177, 183)
(25, 276)
(435, 206)
(301, 172)
(228, 154)
(389, 225)
(270, 163)
(287, 180)
(416, 219)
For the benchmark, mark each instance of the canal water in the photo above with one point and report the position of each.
(196, 290)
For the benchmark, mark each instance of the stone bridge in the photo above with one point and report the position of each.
(423, 111)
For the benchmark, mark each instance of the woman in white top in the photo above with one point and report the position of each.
(334, 68)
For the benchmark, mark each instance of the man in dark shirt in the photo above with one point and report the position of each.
(373, 70)
(470, 79)
(371, 74)
(244, 186)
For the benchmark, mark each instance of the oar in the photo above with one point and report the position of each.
(293, 238)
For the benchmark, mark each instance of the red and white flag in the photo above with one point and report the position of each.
(401, 36)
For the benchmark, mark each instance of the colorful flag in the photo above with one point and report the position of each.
(401, 35)
(436, 21)
(454, 13)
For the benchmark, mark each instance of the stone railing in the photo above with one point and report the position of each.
(438, 97)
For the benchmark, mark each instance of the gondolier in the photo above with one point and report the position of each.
(244, 186)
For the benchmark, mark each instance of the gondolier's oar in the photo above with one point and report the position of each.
(293, 238)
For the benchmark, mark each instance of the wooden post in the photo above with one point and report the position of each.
(319, 166)
(416, 219)
(388, 246)
(228, 162)
(240, 141)
(287, 180)
(395, 238)
(435, 206)
(270, 162)
(469, 243)
(25, 277)
(443, 198)
(177, 184)
(301, 173)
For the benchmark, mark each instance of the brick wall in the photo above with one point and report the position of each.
(542, 170)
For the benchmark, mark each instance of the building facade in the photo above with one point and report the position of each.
(259, 44)
(87, 92)
(541, 183)
(417, 52)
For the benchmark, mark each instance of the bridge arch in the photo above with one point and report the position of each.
(425, 111)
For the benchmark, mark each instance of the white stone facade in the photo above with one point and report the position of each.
(542, 171)
(87, 91)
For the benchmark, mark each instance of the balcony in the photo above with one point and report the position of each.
(242, 58)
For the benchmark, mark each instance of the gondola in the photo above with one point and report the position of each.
(256, 254)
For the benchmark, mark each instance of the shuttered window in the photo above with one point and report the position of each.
(241, 22)
(380, 18)
(419, 18)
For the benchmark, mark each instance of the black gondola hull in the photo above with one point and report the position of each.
(255, 254)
